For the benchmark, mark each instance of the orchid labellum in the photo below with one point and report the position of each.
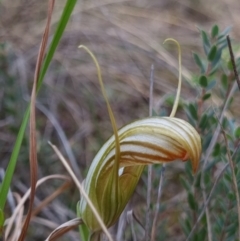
(117, 167)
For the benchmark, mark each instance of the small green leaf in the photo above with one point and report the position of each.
(206, 96)
(223, 34)
(203, 81)
(214, 70)
(203, 122)
(199, 62)
(237, 132)
(212, 53)
(195, 237)
(217, 150)
(230, 66)
(215, 31)
(231, 196)
(191, 201)
(188, 225)
(206, 42)
(224, 81)
(217, 58)
(231, 229)
(188, 172)
(236, 170)
(211, 84)
(207, 179)
(198, 181)
(170, 100)
(185, 183)
(202, 234)
(193, 111)
(238, 64)
(222, 43)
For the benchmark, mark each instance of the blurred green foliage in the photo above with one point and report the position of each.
(215, 77)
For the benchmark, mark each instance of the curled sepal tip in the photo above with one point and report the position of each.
(175, 105)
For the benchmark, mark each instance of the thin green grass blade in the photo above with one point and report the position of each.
(13, 159)
(12, 163)
(57, 36)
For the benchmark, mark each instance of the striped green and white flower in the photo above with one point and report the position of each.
(148, 141)
(117, 167)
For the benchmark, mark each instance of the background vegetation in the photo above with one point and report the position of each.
(126, 37)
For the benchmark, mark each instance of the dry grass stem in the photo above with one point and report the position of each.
(18, 221)
(64, 228)
(47, 200)
(209, 225)
(130, 220)
(150, 168)
(121, 225)
(33, 144)
(62, 137)
(20, 205)
(155, 219)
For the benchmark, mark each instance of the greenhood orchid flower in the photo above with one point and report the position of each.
(143, 142)
(117, 167)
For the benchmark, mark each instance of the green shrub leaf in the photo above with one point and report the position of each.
(203, 81)
(206, 96)
(217, 150)
(217, 58)
(223, 34)
(206, 42)
(199, 62)
(193, 111)
(212, 53)
(224, 81)
(191, 201)
(237, 132)
(185, 183)
(215, 31)
(203, 122)
(211, 84)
